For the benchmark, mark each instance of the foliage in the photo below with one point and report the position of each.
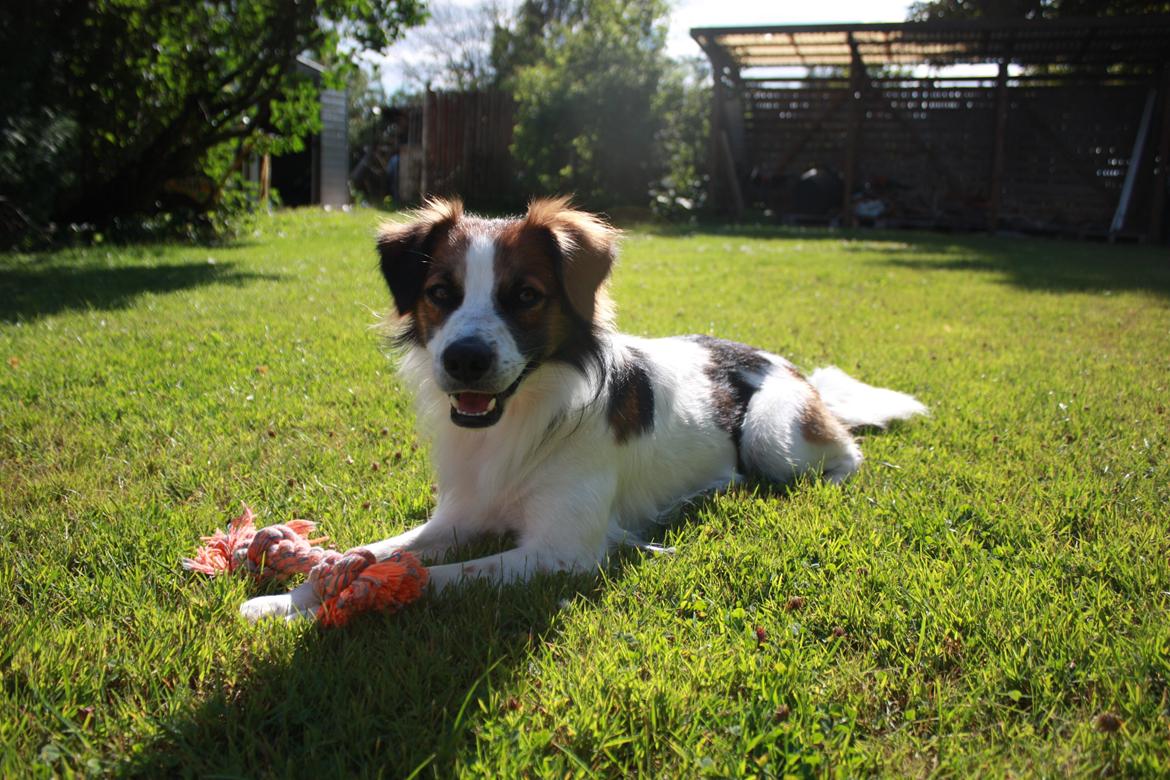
(585, 101)
(684, 103)
(145, 90)
(534, 29)
(1031, 9)
(991, 585)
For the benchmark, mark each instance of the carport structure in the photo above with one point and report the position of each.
(1065, 128)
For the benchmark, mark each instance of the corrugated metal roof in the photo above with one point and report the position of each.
(1097, 41)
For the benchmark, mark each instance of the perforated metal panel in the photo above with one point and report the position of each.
(334, 149)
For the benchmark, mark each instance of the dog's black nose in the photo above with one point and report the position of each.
(467, 360)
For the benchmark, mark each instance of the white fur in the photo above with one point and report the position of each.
(857, 404)
(552, 472)
(477, 316)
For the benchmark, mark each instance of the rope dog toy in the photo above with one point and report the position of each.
(346, 583)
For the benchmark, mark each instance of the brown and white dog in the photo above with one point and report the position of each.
(547, 423)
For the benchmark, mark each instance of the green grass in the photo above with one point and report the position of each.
(994, 580)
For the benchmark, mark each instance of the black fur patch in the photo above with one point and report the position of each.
(731, 368)
(630, 409)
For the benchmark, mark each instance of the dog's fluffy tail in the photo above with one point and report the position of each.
(859, 405)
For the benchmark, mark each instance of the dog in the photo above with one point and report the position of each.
(548, 423)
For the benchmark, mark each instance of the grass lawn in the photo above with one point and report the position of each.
(988, 596)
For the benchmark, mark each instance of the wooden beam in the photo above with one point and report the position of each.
(732, 174)
(853, 133)
(1133, 170)
(428, 120)
(1162, 174)
(715, 153)
(999, 149)
(722, 164)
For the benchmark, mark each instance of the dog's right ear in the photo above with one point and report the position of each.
(405, 248)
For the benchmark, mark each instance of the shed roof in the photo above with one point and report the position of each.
(1089, 41)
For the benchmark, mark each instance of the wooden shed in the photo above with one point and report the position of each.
(319, 173)
(1065, 129)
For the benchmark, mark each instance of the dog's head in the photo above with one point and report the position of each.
(492, 300)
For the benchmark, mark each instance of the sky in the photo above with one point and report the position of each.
(702, 13)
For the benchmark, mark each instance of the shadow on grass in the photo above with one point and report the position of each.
(394, 695)
(1037, 264)
(29, 292)
(1042, 265)
(388, 695)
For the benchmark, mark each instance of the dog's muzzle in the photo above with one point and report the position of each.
(472, 409)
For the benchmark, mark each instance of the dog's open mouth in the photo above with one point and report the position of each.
(472, 409)
(476, 410)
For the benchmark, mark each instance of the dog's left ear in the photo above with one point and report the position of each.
(587, 246)
(405, 249)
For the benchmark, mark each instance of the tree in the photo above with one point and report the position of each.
(1030, 9)
(154, 103)
(585, 75)
(684, 104)
(454, 49)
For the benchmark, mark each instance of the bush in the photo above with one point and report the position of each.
(586, 107)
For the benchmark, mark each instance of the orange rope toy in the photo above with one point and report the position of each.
(346, 583)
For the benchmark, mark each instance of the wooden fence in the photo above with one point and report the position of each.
(1037, 155)
(466, 140)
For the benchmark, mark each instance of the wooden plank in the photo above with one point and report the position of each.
(1135, 164)
(1162, 178)
(427, 127)
(995, 192)
(715, 155)
(732, 176)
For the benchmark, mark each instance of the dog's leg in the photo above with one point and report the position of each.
(301, 601)
(515, 565)
(563, 527)
(432, 538)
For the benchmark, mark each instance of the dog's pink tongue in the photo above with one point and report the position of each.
(473, 403)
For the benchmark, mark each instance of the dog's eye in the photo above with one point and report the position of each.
(528, 296)
(441, 294)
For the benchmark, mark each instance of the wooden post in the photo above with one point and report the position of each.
(715, 160)
(732, 174)
(995, 194)
(265, 177)
(1162, 175)
(1134, 169)
(853, 132)
(427, 121)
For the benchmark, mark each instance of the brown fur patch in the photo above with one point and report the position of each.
(799, 376)
(523, 260)
(630, 410)
(817, 423)
(589, 247)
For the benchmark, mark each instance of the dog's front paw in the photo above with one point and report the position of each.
(302, 602)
